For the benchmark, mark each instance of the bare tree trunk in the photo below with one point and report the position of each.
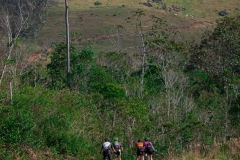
(5, 23)
(68, 43)
(11, 89)
(3, 73)
(143, 57)
(67, 36)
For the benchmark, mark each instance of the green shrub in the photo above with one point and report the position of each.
(224, 148)
(5, 155)
(55, 132)
(207, 140)
(17, 128)
(97, 3)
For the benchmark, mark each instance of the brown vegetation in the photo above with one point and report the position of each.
(39, 55)
(197, 151)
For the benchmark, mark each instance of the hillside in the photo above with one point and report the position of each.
(95, 21)
(163, 71)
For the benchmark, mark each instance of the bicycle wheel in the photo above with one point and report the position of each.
(145, 157)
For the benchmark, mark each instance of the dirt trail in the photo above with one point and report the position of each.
(194, 24)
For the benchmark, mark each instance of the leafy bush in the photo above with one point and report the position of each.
(97, 3)
(55, 132)
(224, 148)
(80, 66)
(17, 128)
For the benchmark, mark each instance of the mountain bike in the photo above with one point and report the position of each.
(106, 155)
(117, 155)
(140, 156)
(146, 157)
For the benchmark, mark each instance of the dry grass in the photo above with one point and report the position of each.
(219, 151)
(229, 150)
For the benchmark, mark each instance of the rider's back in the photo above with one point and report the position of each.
(106, 145)
(117, 145)
(139, 146)
(148, 145)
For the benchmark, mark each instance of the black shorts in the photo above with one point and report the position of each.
(139, 153)
(149, 152)
(107, 154)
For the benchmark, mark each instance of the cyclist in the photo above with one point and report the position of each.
(118, 149)
(148, 148)
(140, 150)
(106, 149)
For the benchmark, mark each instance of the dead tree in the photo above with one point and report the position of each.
(17, 18)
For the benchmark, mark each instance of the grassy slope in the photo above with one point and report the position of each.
(206, 8)
(94, 21)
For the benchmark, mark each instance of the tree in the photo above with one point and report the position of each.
(218, 58)
(19, 19)
(82, 62)
(139, 28)
(219, 53)
(67, 37)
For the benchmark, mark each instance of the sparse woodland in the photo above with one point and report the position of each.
(184, 95)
